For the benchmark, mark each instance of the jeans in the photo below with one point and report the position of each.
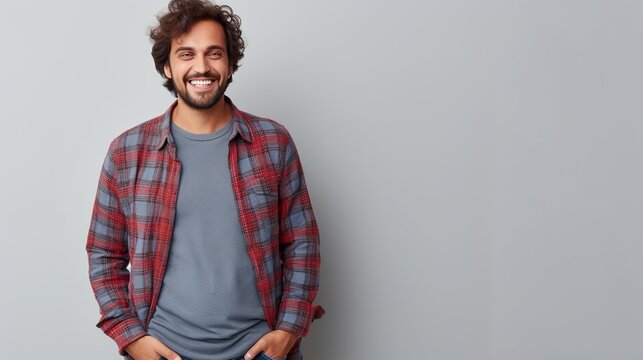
(261, 356)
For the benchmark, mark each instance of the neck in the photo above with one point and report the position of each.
(201, 121)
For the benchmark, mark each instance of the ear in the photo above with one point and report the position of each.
(167, 70)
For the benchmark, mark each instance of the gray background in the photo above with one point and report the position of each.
(475, 167)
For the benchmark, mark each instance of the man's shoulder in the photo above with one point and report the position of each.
(266, 128)
(138, 137)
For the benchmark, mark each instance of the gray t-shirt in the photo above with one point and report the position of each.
(209, 307)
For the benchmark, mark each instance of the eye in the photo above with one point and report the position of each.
(216, 54)
(184, 55)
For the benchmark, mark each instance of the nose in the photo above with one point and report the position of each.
(201, 64)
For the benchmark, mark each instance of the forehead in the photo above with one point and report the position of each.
(201, 35)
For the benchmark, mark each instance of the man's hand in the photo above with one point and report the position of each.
(275, 344)
(150, 348)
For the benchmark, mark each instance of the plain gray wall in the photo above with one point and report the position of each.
(475, 168)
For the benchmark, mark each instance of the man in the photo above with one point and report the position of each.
(208, 206)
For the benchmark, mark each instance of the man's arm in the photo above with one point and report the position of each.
(299, 245)
(108, 257)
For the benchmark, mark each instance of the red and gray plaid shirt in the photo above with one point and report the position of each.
(133, 214)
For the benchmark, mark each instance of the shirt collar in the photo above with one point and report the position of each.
(239, 125)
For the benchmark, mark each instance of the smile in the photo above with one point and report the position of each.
(202, 84)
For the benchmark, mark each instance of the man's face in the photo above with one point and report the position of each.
(199, 65)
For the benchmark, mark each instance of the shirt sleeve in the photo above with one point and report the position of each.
(108, 257)
(300, 249)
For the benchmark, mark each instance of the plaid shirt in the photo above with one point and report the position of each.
(133, 216)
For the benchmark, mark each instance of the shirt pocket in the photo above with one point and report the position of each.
(262, 195)
(264, 205)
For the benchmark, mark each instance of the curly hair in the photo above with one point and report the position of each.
(179, 19)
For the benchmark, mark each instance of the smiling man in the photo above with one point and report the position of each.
(208, 206)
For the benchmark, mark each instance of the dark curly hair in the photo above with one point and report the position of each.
(179, 19)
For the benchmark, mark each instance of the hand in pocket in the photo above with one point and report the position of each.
(150, 348)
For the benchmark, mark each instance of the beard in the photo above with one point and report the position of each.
(204, 100)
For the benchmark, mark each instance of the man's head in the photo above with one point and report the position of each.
(197, 40)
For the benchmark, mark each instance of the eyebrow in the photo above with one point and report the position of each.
(211, 47)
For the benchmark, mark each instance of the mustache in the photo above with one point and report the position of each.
(208, 74)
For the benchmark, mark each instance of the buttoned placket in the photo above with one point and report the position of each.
(169, 193)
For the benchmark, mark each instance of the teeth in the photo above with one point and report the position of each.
(201, 82)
